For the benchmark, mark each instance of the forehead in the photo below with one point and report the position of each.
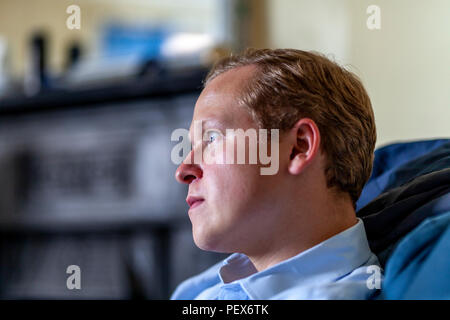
(219, 100)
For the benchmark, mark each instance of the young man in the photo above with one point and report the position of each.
(293, 234)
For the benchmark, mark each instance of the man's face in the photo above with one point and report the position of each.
(237, 200)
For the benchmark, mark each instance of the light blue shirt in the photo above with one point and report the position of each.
(337, 268)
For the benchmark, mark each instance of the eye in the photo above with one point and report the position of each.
(212, 135)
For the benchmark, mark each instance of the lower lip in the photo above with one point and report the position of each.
(196, 204)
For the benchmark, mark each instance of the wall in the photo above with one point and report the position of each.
(405, 65)
(20, 18)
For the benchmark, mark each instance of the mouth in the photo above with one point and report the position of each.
(194, 201)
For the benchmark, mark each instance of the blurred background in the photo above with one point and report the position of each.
(91, 90)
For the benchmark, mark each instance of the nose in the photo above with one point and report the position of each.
(188, 172)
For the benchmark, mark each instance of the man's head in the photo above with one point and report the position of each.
(327, 139)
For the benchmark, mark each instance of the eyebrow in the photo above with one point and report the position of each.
(208, 123)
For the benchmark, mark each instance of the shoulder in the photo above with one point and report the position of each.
(362, 283)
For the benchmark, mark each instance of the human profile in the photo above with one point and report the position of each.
(293, 234)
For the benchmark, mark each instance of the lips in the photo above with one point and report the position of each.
(193, 201)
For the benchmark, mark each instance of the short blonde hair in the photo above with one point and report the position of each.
(291, 84)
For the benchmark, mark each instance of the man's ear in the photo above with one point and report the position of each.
(305, 145)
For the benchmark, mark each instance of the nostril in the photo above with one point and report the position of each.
(189, 178)
(188, 173)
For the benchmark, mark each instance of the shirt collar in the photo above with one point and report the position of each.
(324, 263)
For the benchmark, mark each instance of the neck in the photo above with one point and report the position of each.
(301, 231)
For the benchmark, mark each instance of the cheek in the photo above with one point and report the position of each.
(228, 151)
(214, 153)
(220, 180)
(232, 185)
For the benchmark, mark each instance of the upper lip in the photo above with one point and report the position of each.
(191, 199)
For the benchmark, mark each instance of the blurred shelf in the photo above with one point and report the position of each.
(60, 225)
(57, 99)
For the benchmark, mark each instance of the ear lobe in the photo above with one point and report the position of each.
(298, 157)
(296, 164)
